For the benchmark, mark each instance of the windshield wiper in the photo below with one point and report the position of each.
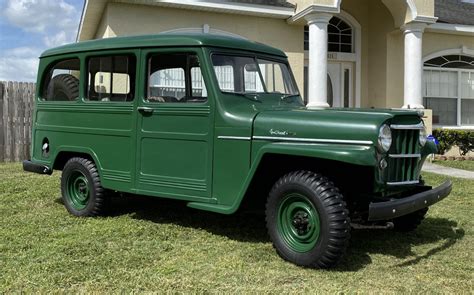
(251, 96)
(286, 96)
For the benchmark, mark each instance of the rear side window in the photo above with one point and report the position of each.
(111, 78)
(62, 81)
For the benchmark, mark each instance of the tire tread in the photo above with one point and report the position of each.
(336, 211)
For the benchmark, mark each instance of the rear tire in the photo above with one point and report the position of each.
(307, 220)
(82, 192)
(410, 221)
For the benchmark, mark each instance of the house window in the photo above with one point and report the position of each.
(339, 36)
(449, 89)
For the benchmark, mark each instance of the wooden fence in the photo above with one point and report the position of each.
(16, 109)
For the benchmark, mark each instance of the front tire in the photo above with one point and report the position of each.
(82, 192)
(307, 220)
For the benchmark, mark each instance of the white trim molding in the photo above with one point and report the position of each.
(454, 29)
(415, 17)
(425, 19)
(312, 9)
(81, 22)
(314, 140)
(243, 8)
(234, 137)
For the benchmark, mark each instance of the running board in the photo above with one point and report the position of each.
(212, 207)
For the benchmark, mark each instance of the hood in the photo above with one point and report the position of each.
(329, 123)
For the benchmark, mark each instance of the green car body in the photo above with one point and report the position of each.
(231, 148)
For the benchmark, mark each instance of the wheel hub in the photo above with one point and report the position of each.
(298, 222)
(77, 190)
(301, 222)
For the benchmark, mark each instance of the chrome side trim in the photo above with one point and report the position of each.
(234, 137)
(404, 156)
(313, 140)
(418, 126)
(404, 182)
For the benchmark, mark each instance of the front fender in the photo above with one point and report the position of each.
(363, 155)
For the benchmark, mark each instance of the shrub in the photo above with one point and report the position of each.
(448, 138)
(465, 142)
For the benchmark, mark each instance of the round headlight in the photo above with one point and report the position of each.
(385, 138)
(423, 136)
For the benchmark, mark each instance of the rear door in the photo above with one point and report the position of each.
(175, 126)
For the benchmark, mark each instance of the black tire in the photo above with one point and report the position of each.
(317, 194)
(410, 221)
(65, 87)
(82, 192)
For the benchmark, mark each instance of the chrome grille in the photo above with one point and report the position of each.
(404, 155)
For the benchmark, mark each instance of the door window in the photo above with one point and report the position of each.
(175, 78)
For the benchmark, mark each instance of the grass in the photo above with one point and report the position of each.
(466, 165)
(147, 244)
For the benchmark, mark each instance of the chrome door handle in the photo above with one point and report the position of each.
(145, 110)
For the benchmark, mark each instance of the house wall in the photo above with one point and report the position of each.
(142, 19)
(360, 11)
(380, 25)
(381, 48)
(376, 24)
(435, 42)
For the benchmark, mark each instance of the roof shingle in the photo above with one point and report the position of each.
(454, 12)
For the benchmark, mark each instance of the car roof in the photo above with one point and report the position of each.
(165, 40)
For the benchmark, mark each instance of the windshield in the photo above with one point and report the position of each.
(242, 74)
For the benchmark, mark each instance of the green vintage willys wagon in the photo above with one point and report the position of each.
(218, 122)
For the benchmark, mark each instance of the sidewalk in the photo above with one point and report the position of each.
(438, 169)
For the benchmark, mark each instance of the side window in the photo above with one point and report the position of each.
(111, 78)
(175, 78)
(62, 81)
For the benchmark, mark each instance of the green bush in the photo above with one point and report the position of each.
(449, 138)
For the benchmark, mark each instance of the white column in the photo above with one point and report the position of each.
(318, 60)
(413, 76)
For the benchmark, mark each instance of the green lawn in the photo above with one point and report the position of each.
(156, 245)
(466, 165)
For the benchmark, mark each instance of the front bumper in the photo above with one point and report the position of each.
(399, 207)
(36, 168)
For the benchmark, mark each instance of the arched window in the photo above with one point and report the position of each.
(451, 61)
(449, 89)
(339, 36)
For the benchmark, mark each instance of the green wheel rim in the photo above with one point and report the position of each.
(298, 222)
(78, 192)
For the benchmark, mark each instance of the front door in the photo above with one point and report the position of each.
(340, 87)
(174, 148)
